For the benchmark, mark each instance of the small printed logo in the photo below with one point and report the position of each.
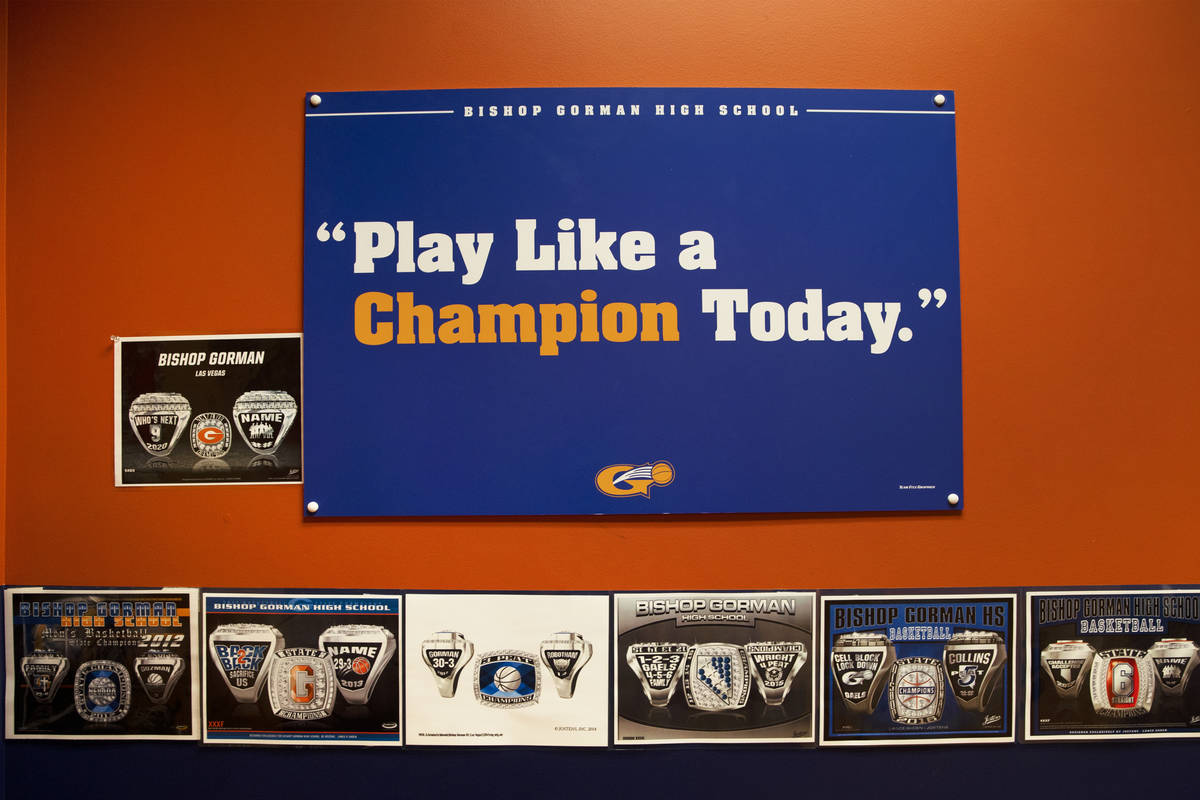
(628, 480)
(967, 674)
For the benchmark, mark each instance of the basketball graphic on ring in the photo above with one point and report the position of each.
(507, 679)
(917, 690)
(663, 473)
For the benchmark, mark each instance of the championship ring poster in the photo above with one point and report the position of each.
(917, 669)
(101, 664)
(207, 409)
(311, 669)
(1112, 664)
(506, 669)
(714, 667)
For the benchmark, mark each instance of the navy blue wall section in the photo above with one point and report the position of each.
(121, 772)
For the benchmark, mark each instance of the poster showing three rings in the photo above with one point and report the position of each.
(1112, 664)
(917, 669)
(302, 669)
(506, 669)
(207, 409)
(714, 667)
(101, 664)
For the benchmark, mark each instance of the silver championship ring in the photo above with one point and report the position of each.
(243, 652)
(158, 671)
(263, 418)
(860, 664)
(974, 663)
(658, 666)
(564, 655)
(507, 679)
(775, 665)
(360, 653)
(302, 684)
(917, 693)
(447, 654)
(717, 677)
(102, 691)
(1173, 661)
(44, 671)
(1067, 663)
(158, 420)
(1122, 683)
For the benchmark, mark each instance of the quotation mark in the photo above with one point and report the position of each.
(324, 235)
(936, 294)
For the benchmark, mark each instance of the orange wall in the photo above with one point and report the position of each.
(155, 161)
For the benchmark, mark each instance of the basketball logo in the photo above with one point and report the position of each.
(507, 679)
(361, 666)
(629, 480)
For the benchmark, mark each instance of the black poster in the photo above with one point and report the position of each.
(102, 664)
(208, 409)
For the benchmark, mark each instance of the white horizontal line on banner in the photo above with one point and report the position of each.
(376, 113)
(868, 111)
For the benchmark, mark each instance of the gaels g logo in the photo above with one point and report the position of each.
(628, 480)
(210, 435)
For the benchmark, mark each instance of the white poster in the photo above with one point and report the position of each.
(506, 669)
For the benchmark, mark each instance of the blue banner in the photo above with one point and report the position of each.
(580, 301)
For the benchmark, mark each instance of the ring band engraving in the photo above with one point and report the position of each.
(775, 665)
(158, 671)
(861, 663)
(565, 655)
(158, 420)
(1173, 661)
(659, 666)
(44, 671)
(974, 663)
(263, 418)
(360, 654)
(243, 652)
(1067, 663)
(447, 654)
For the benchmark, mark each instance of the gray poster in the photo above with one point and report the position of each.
(710, 667)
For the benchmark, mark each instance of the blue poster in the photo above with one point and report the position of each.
(631, 301)
(917, 669)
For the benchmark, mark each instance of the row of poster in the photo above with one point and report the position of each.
(530, 669)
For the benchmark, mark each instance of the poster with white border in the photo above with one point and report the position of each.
(1112, 664)
(94, 663)
(714, 668)
(506, 669)
(203, 410)
(308, 669)
(918, 668)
